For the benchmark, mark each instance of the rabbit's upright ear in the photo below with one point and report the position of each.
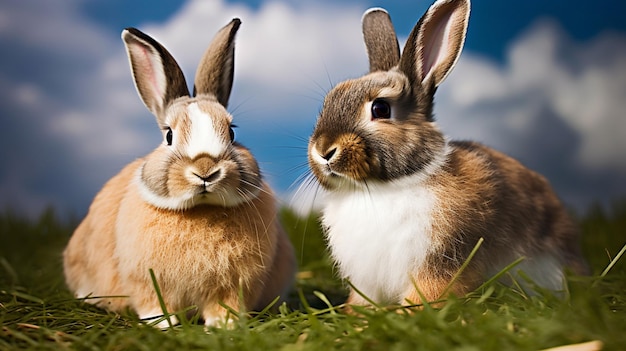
(215, 72)
(381, 41)
(157, 76)
(435, 44)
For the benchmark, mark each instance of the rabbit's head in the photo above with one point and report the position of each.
(380, 127)
(198, 162)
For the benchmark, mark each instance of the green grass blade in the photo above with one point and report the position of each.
(38, 312)
(9, 270)
(502, 272)
(27, 297)
(326, 301)
(365, 297)
(613, 261)
(157, 289)
(462, 268)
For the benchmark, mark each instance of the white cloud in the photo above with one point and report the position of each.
(283, 54)
(76, 119)
(82, 108)
(544, 70)
(52, 27)
(558, 105)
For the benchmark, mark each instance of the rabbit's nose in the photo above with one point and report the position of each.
(211, 177)
(330, 153)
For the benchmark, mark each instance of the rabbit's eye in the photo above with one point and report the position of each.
(232, 132)
(168, 136)
(381, 109)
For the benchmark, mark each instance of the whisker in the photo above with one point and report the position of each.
(293, 147)
(235, 110)
(322, 92)
(253, 223)
(303, 167)
(308, 185)
(260, 188)
(312, 98)
(266, 226)
(306, 188)
(222, 197)
(330, 80)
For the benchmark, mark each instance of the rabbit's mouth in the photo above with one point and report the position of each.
(205, 196)
(327, 171)
(205, 191)
(332, 179)
(219, 195)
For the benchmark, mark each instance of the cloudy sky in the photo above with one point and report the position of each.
(544, 81)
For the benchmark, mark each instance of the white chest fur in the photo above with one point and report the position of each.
(379, 238)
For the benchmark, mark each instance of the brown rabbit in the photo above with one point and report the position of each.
(196, 210)
(405, 206)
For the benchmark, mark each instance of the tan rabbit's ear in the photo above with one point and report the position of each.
(157, 76)
(381, 41)
(435, 44)
(215, 72)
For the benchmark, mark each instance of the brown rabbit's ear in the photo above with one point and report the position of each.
(157, 76)
(435, 44)
(380, 38)
(215, 72)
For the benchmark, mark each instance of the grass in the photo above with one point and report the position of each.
(37, 311)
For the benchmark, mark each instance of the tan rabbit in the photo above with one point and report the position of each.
(406, 206)
(195, 210)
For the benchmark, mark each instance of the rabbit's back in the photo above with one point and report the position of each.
(487, 194)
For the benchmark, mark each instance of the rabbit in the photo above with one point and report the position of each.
(196, 210)
(405, 206)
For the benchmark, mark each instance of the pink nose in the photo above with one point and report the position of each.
(211, 177)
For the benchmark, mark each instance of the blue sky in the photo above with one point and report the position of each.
(544, 81)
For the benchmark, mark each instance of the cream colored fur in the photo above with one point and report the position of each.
(195, 211)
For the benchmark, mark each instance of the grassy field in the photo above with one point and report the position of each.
(37, 312)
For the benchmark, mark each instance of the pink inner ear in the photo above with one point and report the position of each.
(151, 80)
(154, 72)
(155, 77)
(436, 44)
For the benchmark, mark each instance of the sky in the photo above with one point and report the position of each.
(543, 81)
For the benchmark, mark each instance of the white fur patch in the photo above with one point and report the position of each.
(156, 314)
(380, 234)
(217, 321)
(381, 237)
(204, 139)
(317, 157)
(80, 294)
(180, 202)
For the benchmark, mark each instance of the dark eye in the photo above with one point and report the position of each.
(168, 136)
(232, 132)
(381, 109)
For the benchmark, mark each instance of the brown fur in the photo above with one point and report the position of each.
(478, 192)
(196, 210)
(210, 250)
(492, 196)
(381, 57)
